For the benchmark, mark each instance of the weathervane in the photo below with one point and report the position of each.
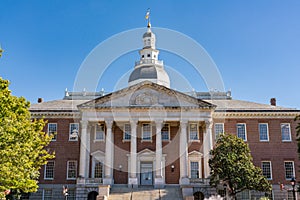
(148, 17)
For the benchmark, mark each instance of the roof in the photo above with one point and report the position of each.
(57, 105)
(244, 106)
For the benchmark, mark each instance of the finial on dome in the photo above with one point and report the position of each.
(148, 17)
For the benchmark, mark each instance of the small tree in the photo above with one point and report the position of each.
(231, 165)
(22, 144)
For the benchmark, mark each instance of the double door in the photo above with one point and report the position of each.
(147, 173)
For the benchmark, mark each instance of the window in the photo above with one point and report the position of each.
(146, 132)
(74, 130)
(47, 194)
(267, 169)
(263, 132)
(285, 132)
(289, 169)
(98, 170)
(148, 55)
(52, 130)
(194, 169)
(49, 170)
(241, 131)
(99, 132)
(219, 128)
(127, 132)
(72, 170)
(165, 132)
(245, 194)
(71, 194)
(193, 130)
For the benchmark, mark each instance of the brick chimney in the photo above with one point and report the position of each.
(273, 101)
(40, 100)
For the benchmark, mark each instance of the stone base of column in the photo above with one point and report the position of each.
(132, 182)
(159, 183)
(107, 181)
(184, 181)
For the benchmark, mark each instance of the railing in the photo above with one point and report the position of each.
(202, 181)
(149, 61)
(90, 181)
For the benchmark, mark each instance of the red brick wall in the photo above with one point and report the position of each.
(64, 150)
(274, 150)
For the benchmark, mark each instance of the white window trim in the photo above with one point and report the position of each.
(285, 169)
(197, 126)
(126, 140)
(94, 162)
(215, 129)
(48, 131)
(195, 157)
(245, 125)
(43, 195)
(169, 135)
(143, 140)
(289, 132)
(73, 140)
(45, 168)
(95, 133)
(76, 166)
(270, 168)
(267, 133)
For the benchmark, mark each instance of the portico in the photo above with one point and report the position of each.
(139, 138)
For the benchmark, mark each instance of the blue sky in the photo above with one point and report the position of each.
(255, 44)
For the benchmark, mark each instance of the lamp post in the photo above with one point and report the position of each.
(65, 192)
(293, 183)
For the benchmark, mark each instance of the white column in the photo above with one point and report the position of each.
(207, 146)
(133, 155)
(158, 181)
(108, 153)
(83, 150)
(183, 151)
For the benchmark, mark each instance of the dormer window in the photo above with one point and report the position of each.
(148, 55)
(143, 56)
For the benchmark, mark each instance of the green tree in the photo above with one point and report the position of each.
(231, 166)
(22, 144)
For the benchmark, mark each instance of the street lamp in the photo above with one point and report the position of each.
(65, 192)
(293, 183)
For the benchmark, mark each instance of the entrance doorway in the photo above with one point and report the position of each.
(92, 195)
(146, 173)
(198, 196)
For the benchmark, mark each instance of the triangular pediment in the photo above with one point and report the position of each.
(146, 152)
(146, 94)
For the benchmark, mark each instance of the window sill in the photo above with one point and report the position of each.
(190, 141)
(286, 140)
(48, 179)
(99, 141)
(71, 179)
(73, 140)
(125, 140)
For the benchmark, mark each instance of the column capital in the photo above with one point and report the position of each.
(209, 123)
(158, 122)
(183, 123)
(84, 123)
(133, 122)
(109, 123)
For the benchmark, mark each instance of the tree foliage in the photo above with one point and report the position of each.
(231, 165)
(22, 144)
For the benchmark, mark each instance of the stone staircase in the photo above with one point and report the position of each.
(145, 193)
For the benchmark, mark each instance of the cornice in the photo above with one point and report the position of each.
(256, 114)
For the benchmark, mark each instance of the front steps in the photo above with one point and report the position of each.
(145, 193)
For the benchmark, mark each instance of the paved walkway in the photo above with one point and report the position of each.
(145, 193)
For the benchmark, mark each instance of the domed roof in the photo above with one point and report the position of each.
(144, 72)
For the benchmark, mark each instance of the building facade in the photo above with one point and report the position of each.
(148, 134)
